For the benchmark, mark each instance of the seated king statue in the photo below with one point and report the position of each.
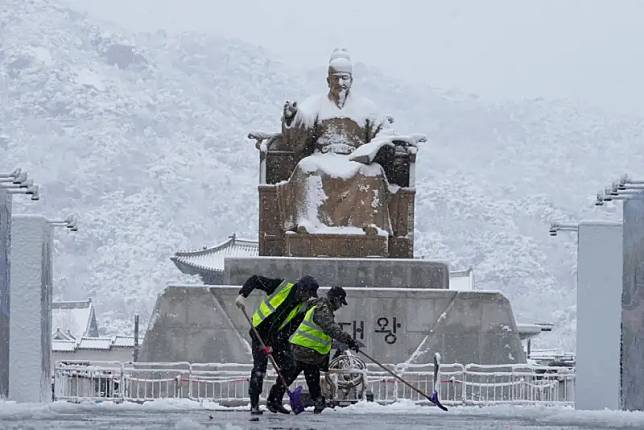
(339, 185)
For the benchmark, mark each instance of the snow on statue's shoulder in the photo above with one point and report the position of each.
(320, 107)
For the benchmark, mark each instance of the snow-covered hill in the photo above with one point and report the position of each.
(144, 137)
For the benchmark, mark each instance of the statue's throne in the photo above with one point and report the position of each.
(277, 163)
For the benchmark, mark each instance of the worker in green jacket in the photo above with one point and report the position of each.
(311, 344)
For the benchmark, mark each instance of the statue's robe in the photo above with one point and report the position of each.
(327, 192)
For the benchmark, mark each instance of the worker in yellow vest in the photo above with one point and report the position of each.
(277, 317)
(311, 344)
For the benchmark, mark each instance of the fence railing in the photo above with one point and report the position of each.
(471, 384)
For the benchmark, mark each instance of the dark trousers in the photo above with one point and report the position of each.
(311, 374)
(260, 362)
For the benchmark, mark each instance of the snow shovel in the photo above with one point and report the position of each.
(433, 398)
(295, 396)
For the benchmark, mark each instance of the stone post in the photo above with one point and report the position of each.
(632, 370)
(599, 297)
(5, 246)
(31, 302)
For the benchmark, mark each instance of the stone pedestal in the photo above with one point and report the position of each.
(5, 244)
(31, 297)
(202, 324)
(599, 310)
(346, 272)
(632, 365)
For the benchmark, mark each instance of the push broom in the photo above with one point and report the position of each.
(295, 396)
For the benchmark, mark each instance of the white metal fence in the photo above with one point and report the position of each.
(459, 384)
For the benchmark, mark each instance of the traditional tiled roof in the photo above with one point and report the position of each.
(74, 319)
(93, 343)
(529, 330)
(123, 341)
(60, 345)
(209, 262)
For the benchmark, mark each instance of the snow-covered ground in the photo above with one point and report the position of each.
(185, 414)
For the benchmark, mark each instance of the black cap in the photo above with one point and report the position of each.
(337, 294)
(309, 285)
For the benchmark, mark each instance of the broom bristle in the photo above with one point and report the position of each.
(295, 400)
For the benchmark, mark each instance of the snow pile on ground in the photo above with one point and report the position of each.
(11, 408)
(144, 137)
(548, 415)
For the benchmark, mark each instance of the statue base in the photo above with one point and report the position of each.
(346, 272)
(335, 245)
(201, 324)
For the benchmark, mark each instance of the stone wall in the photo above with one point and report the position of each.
(202, 324)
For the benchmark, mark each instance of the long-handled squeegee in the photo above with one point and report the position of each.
(433, 398)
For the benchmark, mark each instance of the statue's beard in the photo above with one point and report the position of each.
(341, 97)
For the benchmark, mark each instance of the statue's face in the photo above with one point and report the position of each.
(339, 84)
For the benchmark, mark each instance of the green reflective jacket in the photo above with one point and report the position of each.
(310, 335)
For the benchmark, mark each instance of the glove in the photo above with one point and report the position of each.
(267, 350)
(240, 301)
(355, 345)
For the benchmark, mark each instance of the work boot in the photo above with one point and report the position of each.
(276, 407)
(318, 405)
(274, 401)
(254, 405)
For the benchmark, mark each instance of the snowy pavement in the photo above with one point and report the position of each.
(184, 414)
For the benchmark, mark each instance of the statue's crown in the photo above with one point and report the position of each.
(340, 61)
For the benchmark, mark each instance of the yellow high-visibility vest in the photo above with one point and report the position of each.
(291, 315)
(274, 301)
(310, 335)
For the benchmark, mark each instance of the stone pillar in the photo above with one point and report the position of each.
(632, 397)
(31, 297)
(5, 246)
(599, 297)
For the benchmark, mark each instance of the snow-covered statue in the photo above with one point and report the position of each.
(341, 169)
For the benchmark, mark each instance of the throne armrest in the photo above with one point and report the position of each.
(269, 146)
(396, 154)
(399, 164)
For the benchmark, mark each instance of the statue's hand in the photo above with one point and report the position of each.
(290, 109)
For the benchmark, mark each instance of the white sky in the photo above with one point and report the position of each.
(589, 50)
